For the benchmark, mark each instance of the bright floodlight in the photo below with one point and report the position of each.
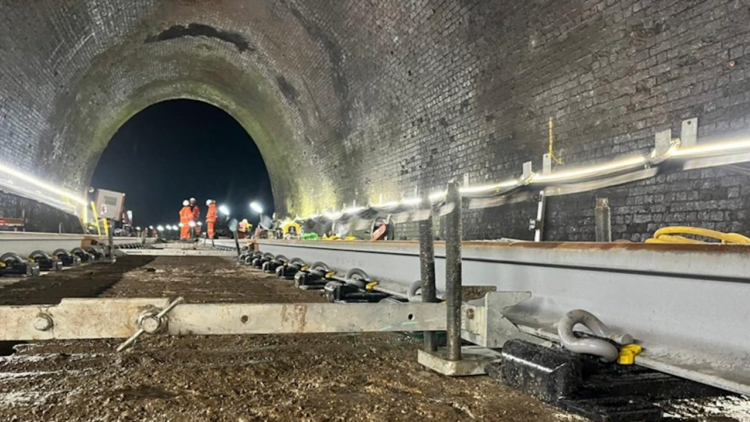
(191, 224)
(224, 209)
(256, 207)
(138, 228)
(151, 227)
(168, 227)
(200, 223)
(160, 228)
(181, 225)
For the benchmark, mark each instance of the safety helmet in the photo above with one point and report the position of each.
(208, 202)
(185, 203)
(192, 200)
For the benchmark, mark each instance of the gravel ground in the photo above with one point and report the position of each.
(369, 377)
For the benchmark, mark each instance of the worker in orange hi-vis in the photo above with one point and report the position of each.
(186, 216)
(210, 218)
(196, 216)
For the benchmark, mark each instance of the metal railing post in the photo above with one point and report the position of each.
(602, 220)
(453, 270)
(427, 269)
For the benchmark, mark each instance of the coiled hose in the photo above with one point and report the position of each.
(673, 235)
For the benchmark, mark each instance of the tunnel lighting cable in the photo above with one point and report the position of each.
(43, 185)
(573, 174)
(489, 188)
(412, 201)
(711, 149)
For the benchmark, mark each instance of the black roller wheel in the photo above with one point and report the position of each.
(11, 258)
(39, 255)
(61, 252)
(298, 262)
(320, 266)
(357, 277)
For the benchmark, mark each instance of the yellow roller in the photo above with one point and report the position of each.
(673, 235)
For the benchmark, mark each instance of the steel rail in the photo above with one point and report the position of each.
(24, 243)
(686, 304)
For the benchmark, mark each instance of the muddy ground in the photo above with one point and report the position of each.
(370, 377)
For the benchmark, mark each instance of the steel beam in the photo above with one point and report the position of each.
(686, 304)
(220, 319)
(23, 243)
(177, 252)
(119, 318)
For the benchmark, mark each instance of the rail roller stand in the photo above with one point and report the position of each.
(96, 252)
(250, 257)
(270, 266)
(13, 265)
(290, 269)
(46, 262)
(356, 287)
(68, 259)
(82, 255)
(259, 261)
(316, 276)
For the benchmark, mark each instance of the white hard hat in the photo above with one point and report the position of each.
(192, 199)
(208, 202)
(185, 203)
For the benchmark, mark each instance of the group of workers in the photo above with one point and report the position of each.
(190, 215)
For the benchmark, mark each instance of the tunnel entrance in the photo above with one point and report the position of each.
(180, 149)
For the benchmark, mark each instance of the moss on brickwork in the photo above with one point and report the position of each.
(352, 100)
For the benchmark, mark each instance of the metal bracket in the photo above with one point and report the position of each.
(662, 142)
(689, 132)
(527, 170)
(484, 324)
(546, 164)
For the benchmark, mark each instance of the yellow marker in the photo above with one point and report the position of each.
(628, 353)
(304, 268)
(96, 218)
(371, 285)
(106, 227)
(331, 274)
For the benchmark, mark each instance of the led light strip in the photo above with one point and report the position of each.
(574, 175)
(42, 185)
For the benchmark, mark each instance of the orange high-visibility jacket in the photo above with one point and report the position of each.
(186, 215)
(211, 214)
(196, 213)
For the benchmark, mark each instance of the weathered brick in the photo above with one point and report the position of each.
(349, 100)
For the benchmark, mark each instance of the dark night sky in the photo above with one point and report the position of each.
(179, 149)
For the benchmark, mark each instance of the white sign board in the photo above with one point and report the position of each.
(109, 204)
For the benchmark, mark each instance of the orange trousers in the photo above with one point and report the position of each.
(185, 232)
(210, 229)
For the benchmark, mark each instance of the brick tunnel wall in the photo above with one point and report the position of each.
(354, 100)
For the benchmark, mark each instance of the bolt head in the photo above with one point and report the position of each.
(150, 323)
(469, 314)
(43, 323)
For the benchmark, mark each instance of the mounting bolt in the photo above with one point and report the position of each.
(469, 314)
(150, 322)
(43, 322)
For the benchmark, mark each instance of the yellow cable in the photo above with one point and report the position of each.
(672, 235)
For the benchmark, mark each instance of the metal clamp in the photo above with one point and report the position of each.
(150, 322)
